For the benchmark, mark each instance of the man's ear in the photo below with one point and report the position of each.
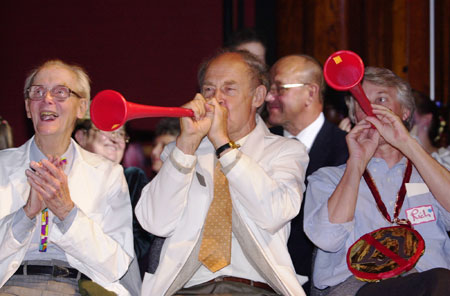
(82, 107)
(313, 93)
(259, 96)
(81, 137)
(27, 108)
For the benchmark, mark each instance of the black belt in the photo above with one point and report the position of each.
(244, 281)
(53, 270)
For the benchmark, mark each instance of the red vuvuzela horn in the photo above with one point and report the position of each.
(110, 110)
(344, 70)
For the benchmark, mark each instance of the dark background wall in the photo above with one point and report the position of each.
(150, 50)
(147, 50)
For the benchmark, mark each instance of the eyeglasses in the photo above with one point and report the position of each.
(117, 136)
(59, 92)
(281, 89)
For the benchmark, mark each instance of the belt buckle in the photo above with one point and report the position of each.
(60, 271)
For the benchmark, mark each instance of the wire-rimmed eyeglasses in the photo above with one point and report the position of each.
(281, 89)
(58, 92)
(117, 136)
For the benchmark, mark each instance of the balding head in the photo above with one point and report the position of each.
(304, 67)
(295, 99)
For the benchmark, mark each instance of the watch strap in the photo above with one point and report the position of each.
(224, 147)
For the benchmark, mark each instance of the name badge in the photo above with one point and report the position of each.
(413, 189)
(422, 214)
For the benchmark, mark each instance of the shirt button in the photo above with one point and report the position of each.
(15, 265)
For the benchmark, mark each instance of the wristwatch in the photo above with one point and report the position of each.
(224, 147)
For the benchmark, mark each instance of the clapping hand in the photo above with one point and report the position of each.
(49, 188)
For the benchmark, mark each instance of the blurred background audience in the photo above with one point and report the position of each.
(6, 136)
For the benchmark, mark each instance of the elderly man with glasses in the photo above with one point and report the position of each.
(295, 105)
(226, 192)
(65, 213)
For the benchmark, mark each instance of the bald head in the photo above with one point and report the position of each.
(295, 99)
(303, 67)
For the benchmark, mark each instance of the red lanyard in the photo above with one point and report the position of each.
(400, 196)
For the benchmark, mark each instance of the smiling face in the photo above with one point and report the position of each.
(53, 118)
(294, 100)
(110, 145)
(286, 105)
(228, 79)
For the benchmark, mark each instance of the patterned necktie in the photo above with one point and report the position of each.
(215, 249)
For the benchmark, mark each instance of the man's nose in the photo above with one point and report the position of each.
(269, 97)
(220, 97)
(48, 97)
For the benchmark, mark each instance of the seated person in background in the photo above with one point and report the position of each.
(225, 210)
(428, 128)
(111, 145)
(427, 124)
(341, 206)
(250, 40)
(65, 213)
(167, 131)
(6, 138)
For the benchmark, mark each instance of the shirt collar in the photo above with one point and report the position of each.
(309, 134)
(37, 155)
(379, 165)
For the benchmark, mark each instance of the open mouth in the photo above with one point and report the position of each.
(48, 116)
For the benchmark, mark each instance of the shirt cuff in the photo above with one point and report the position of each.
(184, 163)
(229, 160)
(22, 226)
(67, 222)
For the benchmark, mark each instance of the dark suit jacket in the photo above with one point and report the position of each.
(329, 149)
(146, 245)
(137, 179)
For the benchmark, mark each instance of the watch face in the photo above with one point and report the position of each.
(234, 145)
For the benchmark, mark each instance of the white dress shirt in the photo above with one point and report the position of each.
(239, 265)
(309, 134)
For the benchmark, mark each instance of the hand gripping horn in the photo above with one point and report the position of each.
(110, 110)
(344, 70)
